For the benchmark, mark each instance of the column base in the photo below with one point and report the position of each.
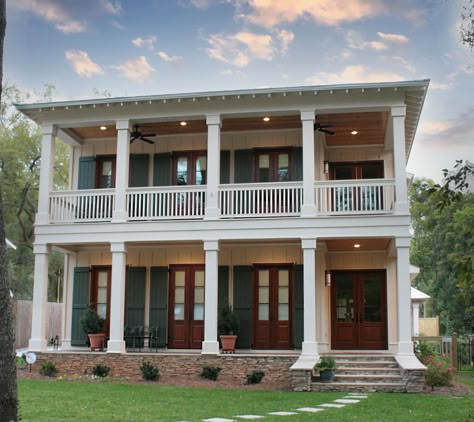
(405, 348)
(37, 345)
(309, 348)
(211, 213)
(210, 348)
(115, 346)
(308, 210)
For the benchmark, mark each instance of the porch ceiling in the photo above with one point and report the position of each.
(347, 245)
(371, 127)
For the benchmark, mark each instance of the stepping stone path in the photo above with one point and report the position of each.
(351, 398)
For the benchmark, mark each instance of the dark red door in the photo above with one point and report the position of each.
(272, 307)
(186, 307)
(359, 310)
(100, 293)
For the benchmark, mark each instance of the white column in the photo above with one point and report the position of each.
(405, 344)
(116, 343)
(213, 165)
(310, 345)
(415, 306)
(210, 345)
(46, 173)
(307, 119)
(70, 262)
(399, 159)
(38, 342)
(121, 171)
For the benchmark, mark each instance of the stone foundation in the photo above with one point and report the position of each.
(414, 380)
(179, 367)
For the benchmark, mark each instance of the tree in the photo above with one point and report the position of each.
(8, 391)
(467, 24)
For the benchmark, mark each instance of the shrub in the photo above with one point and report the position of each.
(326, 363)
(228, 322)
(149, 371)
(101, 370)
(425, 349)
(255, 377)
(91, 322)
(48, 369)
(438, 372)
(210, 372)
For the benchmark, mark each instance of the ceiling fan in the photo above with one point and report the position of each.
(324, 128)
(136, 134)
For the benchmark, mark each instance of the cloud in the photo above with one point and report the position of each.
(357, 42)
(395, 38)
(241, 48)
(169, 59)
(145, 42)
(400, 61)
(68, 16)
(118, 25)
(353, 74)
(325, 12)
(416, 16)
(442, 86)
(82, 64)
(137, 69)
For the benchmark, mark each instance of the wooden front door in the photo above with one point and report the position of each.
(359, 310)
(100, 293)
(186, 307)
(273, 307)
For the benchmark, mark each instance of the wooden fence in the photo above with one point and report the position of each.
(429, 327)
(22, 311)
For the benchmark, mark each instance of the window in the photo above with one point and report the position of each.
(190, 168)
(272, 166)
(105, 172)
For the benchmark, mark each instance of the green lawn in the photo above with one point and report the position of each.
(77, 401)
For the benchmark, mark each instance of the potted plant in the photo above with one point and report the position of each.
(228, 328)
(92, 324)
(326, 367)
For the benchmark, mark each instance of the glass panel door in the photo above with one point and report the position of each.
(179, 295)
(199, 295)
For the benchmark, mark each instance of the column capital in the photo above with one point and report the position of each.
(308, 115)
(308, 243)
(41, 248)
(118, 247)
(122, 124)
(49, 129)
(398, 111)
(211, 245)
(213, 119)
(402, 242)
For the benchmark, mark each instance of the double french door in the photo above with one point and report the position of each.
(186, 307)
(358, 310)
(272, 307)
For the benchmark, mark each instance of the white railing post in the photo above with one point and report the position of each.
(122, 170)
(213, 165)
(309, 206)
(399, 158)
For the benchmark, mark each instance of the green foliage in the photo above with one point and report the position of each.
(326, 363)
(438, 373)
(467, 24)
(48, 369)
(210, 372)
(91, 322)
(425, 349)
(101, 371)
(149, 371)
(255, 377)
(228, 322)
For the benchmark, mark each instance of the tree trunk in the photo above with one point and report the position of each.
(8, 389)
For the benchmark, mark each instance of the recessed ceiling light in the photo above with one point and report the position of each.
(103, 128)
(356, 245)
(183, 123)
(354, 132)
(266, 119)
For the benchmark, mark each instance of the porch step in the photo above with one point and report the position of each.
(367, 378)
(360, 387)
(349, 370)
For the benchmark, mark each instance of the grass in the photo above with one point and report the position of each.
(102, 400)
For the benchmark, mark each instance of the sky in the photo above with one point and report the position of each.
(92, 48)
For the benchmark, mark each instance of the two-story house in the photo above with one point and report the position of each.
(290, 204)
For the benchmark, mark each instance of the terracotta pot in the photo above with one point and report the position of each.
(97, 341)
(228, 343)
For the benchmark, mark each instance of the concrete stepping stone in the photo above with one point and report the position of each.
(355, 397)
(249, 416)
(282, 413)
(309, 409)
(338, 406)
(219, 420)
(346, 401)
(358, 395)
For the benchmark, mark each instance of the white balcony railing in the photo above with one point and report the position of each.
(261, 199)
(158, 203)
(82, 206)
(341, 197)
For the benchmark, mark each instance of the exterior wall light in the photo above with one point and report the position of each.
(327, 280)
(326, 167)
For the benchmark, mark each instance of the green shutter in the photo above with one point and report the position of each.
(86, 176)
(223, 287)
(298, 309)
(243, 304)
(80, 304)
(243, 166)
(135, 299)
(138, 170)
(225, 167)
(297, 164)
(159, 303)
(162, 169)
